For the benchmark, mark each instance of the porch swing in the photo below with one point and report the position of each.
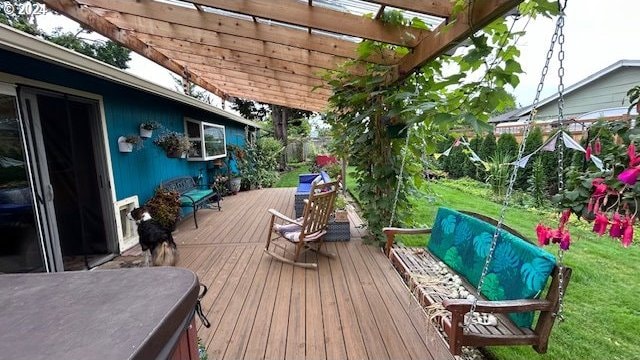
(509, 272)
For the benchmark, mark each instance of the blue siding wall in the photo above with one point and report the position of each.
(141, 171)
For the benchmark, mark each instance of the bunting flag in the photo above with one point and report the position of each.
(548, 145)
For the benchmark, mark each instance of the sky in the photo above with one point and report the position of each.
(597, 34)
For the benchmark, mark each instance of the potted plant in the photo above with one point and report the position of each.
(340, 209)
(174, 144)
(147, 127)
(164, 207)
(128, 142)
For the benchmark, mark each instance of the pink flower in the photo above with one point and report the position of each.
(542, 232)
(631, 152)
(627, 235)
(565, 242)
(597, 146)
(629, 176)
(600, 187)
(616, 229)
(556, 235)
(587, 154)
(600, 224)
(566, 213)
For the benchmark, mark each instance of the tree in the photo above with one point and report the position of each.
(507, 145)
(281, 116)
(488, 147)
(192, 90)
(534, 141)
(105, 51)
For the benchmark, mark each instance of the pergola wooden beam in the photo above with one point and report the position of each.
(274, 65)
(295, 104)
(442, 40)
(296, 13)
(273, 90)
(207, 23)
(430, 7)
(231, 69)
(89, 19)
(270, 96)
(266, 83)
(262, 55)
(317, 44)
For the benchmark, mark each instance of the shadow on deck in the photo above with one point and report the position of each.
(353, 307)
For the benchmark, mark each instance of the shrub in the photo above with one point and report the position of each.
(488, 147)
(507, 145)
(537, 182)
(534, 141)
(164, 207)
(499, 173)
(262, 162)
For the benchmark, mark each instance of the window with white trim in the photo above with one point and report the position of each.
(208, 140)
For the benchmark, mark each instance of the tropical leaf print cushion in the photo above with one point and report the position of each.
(518, 270)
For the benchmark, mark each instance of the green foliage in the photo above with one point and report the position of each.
(107, 52)
(537, 182)
(429, 104)
(507, 145)
(262, 162)
(164, 207)
(499, 172)
(534, 141)
(579, 188)
(488, 147)
(472, 169)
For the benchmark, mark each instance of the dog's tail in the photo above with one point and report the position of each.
(165, 255)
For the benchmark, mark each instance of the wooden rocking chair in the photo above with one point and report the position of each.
(307, 232)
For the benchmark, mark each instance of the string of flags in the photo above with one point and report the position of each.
(548, 145)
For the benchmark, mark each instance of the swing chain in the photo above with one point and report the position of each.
(404, 158)
(560, 311)
(514, 173)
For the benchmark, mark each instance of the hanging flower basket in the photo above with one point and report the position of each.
(127, 143)
(146, 128)
(175, 145)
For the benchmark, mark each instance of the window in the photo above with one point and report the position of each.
(208, 140)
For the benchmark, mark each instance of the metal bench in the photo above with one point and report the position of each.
(193, 195)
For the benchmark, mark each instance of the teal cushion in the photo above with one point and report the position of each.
(195, 194)
(518, 270)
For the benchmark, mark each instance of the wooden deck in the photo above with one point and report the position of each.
(353, 307)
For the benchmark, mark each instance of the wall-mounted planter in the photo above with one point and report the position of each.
(176, 154)
(144, 133)
(123, 145)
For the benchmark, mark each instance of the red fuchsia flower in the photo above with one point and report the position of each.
(556, 235)
(542, 232)
(600, 224)
(565, 242)
(587, 154)
(629, 176)
(566, 213)
(627, 234)
(597, 146)
(616, 229)
(631, 152)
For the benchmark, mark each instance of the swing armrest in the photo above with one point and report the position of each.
(463, 306)
(392, 231)
(277, 214)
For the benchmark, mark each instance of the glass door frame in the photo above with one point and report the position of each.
(48, 256)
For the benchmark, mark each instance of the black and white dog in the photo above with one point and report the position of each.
(154, 239)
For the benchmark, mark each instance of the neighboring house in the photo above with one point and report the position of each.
(61, 114)
(601, 95)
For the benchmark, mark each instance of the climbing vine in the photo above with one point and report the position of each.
(372, 117)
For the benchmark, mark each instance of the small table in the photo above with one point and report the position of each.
(105, 314)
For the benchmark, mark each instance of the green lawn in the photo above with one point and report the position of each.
(601, 309)
(290, 178)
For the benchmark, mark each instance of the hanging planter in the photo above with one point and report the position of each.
(175, 145)
(146, 128)
(127, 143)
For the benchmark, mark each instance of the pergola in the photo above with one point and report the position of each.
(275, 51)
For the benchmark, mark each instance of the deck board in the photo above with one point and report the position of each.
(354, 306)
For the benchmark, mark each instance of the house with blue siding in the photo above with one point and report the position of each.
(65, 187)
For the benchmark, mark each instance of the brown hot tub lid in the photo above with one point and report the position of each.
(109, 314)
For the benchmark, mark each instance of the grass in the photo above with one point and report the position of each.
(602, 311)
(601, 306)
(290, 178)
